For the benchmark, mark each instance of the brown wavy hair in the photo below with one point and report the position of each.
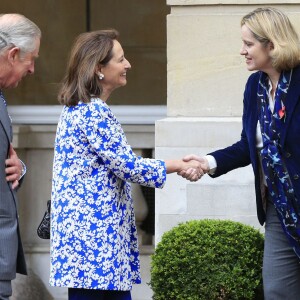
(90, 50)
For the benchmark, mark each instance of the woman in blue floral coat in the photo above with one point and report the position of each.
(94, 248)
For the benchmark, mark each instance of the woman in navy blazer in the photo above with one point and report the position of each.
(270, 141)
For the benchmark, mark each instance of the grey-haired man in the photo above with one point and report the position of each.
(19, 47)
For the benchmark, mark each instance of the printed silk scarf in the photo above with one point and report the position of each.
(277, 177)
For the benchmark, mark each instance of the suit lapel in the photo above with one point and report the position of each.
(5, 120)
(253, 119)
(292, 99)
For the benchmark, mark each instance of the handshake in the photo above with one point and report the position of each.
(193, 167)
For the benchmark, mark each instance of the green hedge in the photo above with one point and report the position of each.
(208, 259)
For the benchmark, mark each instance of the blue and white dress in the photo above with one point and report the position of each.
(93, 233)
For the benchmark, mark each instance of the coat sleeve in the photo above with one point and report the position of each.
(107, 139)
(238, 154)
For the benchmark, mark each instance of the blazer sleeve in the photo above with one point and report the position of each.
(238, 154)
(108, 140)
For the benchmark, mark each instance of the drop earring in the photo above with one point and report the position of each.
(100, 75)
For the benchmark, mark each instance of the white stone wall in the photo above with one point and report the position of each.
(206, 77)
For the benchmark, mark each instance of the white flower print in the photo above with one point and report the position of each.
(93, 233)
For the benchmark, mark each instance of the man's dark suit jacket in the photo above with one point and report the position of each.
(244, 151)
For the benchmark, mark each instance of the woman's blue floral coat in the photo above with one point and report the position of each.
(93, 233)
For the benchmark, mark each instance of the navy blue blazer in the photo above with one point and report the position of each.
(244, 151)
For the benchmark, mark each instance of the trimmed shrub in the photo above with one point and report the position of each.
(208, 259)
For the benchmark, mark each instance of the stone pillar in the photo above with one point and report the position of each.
(206, 77)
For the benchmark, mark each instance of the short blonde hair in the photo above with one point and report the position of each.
(271, 25)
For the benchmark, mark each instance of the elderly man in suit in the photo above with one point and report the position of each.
(19, 47)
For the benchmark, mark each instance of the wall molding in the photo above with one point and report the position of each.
(49, 114)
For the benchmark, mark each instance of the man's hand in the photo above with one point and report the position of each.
(13, 168)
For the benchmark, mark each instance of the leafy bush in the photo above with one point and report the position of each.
(208, 259)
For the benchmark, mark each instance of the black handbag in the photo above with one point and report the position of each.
(43, 230)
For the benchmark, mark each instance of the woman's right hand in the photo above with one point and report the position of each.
(198, 167)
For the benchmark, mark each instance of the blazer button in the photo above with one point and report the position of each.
(287, 154)
(296, 176)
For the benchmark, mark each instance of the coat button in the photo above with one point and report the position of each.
(287, 154)
(296, 176)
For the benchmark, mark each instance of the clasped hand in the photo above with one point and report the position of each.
(194, 167)
(13, 168)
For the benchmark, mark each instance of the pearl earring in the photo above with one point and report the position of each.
(100, 75)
